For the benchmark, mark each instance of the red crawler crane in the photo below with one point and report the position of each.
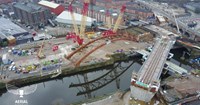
(84, 17)
(75, 36)
(113, 32)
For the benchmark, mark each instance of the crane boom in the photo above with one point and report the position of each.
(108, 19)
(40, 53)
(123, 8)
(84, 17)
(70, 8)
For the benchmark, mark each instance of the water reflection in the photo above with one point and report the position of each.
(88, 86)
(79, 87)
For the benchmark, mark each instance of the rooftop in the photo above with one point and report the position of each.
(138, 9)
(48, 4)
(8, 28)
(97, 8)
(65, 17)
(29, 7)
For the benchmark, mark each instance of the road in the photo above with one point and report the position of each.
(160, 11)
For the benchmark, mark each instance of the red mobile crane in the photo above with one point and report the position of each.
(84, 17)
(109, 24)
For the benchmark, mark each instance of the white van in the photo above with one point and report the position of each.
(10, 67)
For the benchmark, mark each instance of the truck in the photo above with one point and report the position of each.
(5, 59)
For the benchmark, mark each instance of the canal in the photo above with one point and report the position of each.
(80, 87)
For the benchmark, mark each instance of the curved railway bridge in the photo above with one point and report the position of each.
(89, 86)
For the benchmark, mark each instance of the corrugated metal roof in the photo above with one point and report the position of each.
(48, 4)
(8, 28)
(2, 36)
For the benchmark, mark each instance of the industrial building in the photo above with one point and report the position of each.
(31, 14)
(54, 7)
(65, 18)
(9, 33)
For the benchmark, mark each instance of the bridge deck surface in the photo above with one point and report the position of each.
(152, 68)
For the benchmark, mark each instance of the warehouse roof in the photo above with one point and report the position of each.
(8, 28)
(65, 17)
(48, 4)
(2, 37)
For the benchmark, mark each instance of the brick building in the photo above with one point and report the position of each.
(133, 8)
(31, 14)
(114, 4)
(138, 10)
(96, 12)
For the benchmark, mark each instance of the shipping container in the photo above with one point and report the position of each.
(11, 40)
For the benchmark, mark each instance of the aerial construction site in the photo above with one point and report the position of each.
(78, 37)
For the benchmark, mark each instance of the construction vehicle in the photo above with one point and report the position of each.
(75, 38)
(54, 48)
(40, 53)
(90, 35)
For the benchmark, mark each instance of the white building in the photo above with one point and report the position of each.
(65, 18)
